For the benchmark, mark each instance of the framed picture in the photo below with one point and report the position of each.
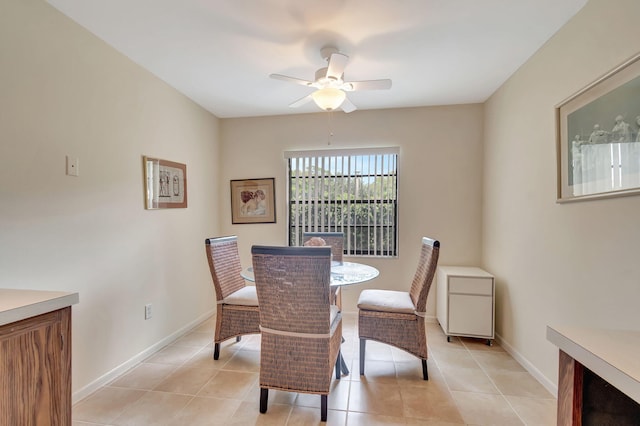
(253, 201)
(598, 140)
(165, 184)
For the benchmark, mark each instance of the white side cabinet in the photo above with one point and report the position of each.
(465, 302)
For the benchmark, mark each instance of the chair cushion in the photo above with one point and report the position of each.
(245, 296)
(386, 301)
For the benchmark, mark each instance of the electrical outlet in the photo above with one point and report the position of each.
(147, 311)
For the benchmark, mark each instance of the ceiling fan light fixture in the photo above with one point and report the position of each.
(330, 84)
(328, 98)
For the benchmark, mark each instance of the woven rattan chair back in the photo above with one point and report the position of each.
(232, 319)
(225, 266)
(424, 273)
(300, 344)
(333, 239)
(293, 288)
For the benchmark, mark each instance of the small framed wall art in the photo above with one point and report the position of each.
(253, 201)
(165, 184)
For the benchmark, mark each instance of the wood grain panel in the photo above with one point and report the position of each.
(35, 365)
(570, 378)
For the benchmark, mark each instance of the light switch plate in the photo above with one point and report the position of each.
(73, 166)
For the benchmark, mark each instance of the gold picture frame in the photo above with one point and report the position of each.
(253, 201)
(598, 137)
(165, 184)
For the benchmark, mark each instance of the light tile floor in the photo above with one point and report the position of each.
(469, 383)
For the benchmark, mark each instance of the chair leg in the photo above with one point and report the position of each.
(425, 373)
(264, 396)
(363, 343)
(323, 408)
(338, 365)
(216, 351)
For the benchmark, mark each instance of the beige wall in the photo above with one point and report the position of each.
(64, 92)
(439, 184)
(555, 263)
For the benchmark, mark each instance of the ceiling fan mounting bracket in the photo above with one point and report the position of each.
(327, 51)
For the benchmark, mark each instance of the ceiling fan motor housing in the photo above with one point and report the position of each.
(324, 80)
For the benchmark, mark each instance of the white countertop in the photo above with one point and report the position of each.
(613, 355)
(16, 305)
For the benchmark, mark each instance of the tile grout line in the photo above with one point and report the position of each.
(495, 385)
(448, 386)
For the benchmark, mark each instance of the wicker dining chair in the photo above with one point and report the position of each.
(336, 241)
(397, 317)
(237, 312)
(333, 239)
(301, 329)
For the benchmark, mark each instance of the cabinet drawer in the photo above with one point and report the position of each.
(471, 315)
(471, 285)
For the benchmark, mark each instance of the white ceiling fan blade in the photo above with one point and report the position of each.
(301, 101)
(351, 86)
(347, 106)
(337, 63)
(291, 79)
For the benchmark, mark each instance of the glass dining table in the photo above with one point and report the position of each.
(342, 274)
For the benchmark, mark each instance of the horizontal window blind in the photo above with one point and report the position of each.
(349, 191)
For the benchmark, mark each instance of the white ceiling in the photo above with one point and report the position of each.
(220, 52)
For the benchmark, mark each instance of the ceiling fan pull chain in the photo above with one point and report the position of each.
(329, 114)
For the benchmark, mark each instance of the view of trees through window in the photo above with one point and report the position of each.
(354, 193)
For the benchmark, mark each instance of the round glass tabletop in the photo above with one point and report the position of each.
(342, 273)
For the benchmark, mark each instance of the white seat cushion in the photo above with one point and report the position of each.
(386, 301)
(245, 296)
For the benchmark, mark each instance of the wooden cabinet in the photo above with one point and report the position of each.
(598, 376)
(35, 386)
(35, 364)
(465, 302)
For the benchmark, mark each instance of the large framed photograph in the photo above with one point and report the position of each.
(165, 184)
(598, 140)
(253, 201)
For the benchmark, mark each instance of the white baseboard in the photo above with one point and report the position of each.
(137, 359)
(550, 386)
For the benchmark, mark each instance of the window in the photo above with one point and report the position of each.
(350, 191)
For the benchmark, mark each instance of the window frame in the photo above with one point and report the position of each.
(317, 159)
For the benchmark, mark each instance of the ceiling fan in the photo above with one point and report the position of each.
(330, 85)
